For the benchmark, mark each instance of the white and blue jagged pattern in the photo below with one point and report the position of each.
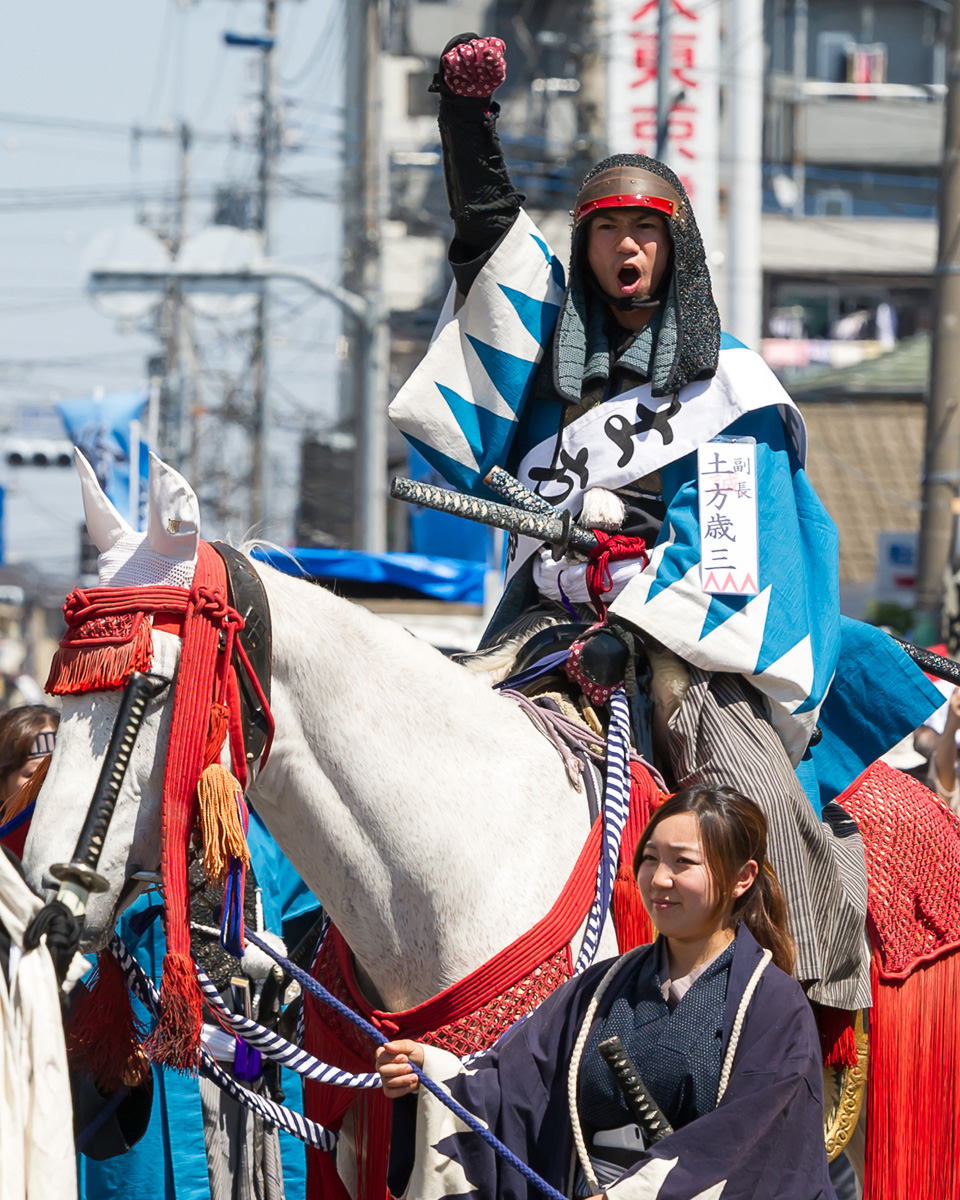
(461, 405)
(786, 639)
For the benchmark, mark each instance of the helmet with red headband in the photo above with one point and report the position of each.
(688, 344)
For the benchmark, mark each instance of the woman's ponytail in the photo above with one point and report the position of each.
(763, 909)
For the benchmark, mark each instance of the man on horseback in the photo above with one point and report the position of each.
(615, 396)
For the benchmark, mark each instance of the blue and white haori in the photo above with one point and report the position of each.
(461, 405)
(468, 406)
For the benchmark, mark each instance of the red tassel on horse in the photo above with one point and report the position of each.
(176, 1040)
(103, 1038)
(630, 918)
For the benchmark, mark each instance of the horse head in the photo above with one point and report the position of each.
(165, 555)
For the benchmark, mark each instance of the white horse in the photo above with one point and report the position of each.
(427, 813)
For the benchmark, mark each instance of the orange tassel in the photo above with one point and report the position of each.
(223, 836)
(216, 734)
(103, 1039)
(25, 795)
(79, 668)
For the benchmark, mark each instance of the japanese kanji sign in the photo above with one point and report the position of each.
(727, 486)
(694, 128)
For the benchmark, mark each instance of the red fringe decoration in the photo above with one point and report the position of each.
(176, 1040)
(79, 668)
(630, 918)
(103, 1038)
(837, 1040)
(913, 1085)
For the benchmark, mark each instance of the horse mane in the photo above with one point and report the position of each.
(497, 661)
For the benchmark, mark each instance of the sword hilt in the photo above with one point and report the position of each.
(932, 663)
(553, 527)
(643, 1108)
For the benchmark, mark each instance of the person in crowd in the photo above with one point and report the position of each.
(709, 1017)
(36, 1126)
(27, 737)
(944, 725)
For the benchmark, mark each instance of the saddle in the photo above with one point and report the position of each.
(595, 664)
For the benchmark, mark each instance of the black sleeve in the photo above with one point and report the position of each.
(483, 201)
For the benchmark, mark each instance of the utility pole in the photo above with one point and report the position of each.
(941, 466)
(183, 433)
(259, 475)
(744, 269)
(170, 431)
(664, 101)
(371, 416)
(356, 97)
(798, 139)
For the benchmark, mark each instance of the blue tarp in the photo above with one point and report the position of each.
(452, 579)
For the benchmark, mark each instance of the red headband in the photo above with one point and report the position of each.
(656, 202)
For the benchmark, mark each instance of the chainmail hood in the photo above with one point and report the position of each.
(688, 345)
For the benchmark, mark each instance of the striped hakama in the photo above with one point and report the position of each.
(721, 736)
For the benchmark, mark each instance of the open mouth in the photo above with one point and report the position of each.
(628, 277)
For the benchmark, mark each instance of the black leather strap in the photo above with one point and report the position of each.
(248, 597)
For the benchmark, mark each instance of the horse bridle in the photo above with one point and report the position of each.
(252, 656)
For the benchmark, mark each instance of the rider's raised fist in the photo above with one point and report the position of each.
(475, 68)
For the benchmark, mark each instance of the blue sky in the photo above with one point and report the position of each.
(151, 62)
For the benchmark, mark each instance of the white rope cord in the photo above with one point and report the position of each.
(574, 1071)
(738, 1023)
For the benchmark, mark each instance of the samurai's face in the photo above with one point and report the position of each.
(628, 250)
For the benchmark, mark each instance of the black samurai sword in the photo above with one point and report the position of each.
(553, 526)
(79, 877)
(643, 1108)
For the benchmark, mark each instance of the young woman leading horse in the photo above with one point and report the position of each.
(721, 1035)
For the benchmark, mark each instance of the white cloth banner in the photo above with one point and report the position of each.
(633, 434)
(694, 125)
(727, 493)
(36, 1112)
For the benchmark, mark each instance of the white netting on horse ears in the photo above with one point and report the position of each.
(130, 562)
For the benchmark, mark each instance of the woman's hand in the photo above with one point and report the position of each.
(393, 1063)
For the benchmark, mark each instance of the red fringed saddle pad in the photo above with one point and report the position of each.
(913, 1079)
(913, 868)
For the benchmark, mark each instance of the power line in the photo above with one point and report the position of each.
(107, 128)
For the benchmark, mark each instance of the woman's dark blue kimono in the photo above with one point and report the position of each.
(764, 1141)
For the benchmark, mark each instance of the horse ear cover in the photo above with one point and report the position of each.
(104, 523)
(173, 521)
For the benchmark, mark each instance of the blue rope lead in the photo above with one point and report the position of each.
(318, 990)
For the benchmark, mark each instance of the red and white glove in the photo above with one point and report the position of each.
(475, 68)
